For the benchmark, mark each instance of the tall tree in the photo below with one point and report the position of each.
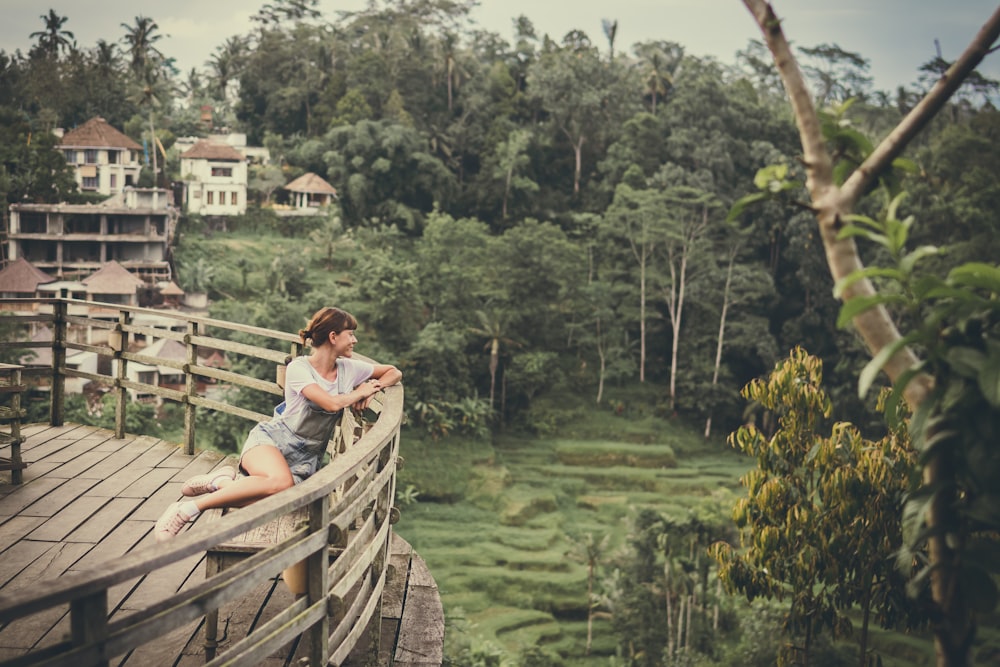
(637, 218)
(688, 223)
(658, 62)
(140, 39)
(511, 160)
(54, 38)
(590, 551)
(577, 92)
(493, 327)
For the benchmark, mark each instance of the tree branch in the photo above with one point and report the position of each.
(920, 115)
(874, 325)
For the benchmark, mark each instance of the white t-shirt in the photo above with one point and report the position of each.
(299, 374)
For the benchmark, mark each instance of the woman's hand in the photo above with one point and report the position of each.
(368, 388)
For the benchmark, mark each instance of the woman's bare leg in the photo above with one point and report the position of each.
(268, 474)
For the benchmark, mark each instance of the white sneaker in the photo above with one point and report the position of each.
(170, 523)
(201, 484)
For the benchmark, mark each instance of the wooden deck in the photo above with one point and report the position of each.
(88, 498)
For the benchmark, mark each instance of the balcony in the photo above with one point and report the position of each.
(81, 581)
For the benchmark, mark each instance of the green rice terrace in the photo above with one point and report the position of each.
(499, 524)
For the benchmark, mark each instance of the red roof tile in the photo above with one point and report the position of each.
(97, 133)
(112, 278)
(311, 183)
(207, 150)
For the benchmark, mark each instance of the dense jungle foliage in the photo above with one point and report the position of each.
(536, 232)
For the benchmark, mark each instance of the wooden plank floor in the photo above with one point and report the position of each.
(88, 498)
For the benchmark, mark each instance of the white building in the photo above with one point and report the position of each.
(236, 140)
(215, 179)
(104, 160)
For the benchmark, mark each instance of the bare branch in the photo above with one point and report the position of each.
(920, 115)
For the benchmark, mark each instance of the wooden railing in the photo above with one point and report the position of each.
(348, 503)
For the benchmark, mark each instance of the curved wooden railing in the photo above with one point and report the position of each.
(347, 504)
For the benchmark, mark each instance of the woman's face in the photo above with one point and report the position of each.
(343, 342)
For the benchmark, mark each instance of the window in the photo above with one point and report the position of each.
(209, 197)
(113, 157)
(234, 199)
(70, 156)
(225, 172)
(90, 156)
(114, 181)
(89, 183)
(222, 198)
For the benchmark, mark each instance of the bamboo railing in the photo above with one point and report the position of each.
(348, 503)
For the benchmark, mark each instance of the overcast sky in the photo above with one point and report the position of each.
(897, 36)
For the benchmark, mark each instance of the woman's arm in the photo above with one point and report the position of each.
(387, 375)
(335, 402)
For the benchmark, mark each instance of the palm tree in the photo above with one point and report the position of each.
(140, 39)
(492, 327)
(659, 62)
(54, 39)
(227, 63)
(106, 57)
(146, 95)
(610, 32)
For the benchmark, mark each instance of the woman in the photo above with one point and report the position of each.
(288, 449)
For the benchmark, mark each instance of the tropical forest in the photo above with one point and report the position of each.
(701, 361)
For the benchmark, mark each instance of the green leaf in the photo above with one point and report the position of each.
(905, 164)
(855, 140)
(910, 259)
(740, 204)
(841, 171)
(966, 361)
(773, 172)
(976, 274)
(947, 292)
(989, 379)
(865, 220)
(895, 397)
(894, 206)
(872, 368)
(859, 304)
(867, 272)
(853, 230)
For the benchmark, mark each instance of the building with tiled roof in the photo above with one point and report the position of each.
(113, 283)
(215, 179)
(311, 191)
(20, 279)
(104, 160)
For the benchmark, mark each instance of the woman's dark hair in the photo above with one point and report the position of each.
(325, 321)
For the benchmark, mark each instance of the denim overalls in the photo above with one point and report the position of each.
(301, 438)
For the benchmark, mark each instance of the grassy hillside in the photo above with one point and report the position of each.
(497, 522)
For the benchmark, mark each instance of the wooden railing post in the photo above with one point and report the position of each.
(121, 394)
(383, 512)
(190, 388)
(318, 582)
(88, 619)
(56, 411)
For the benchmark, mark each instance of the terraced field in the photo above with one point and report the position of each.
(503, 554)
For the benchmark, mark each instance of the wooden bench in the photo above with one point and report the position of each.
(11, 415)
